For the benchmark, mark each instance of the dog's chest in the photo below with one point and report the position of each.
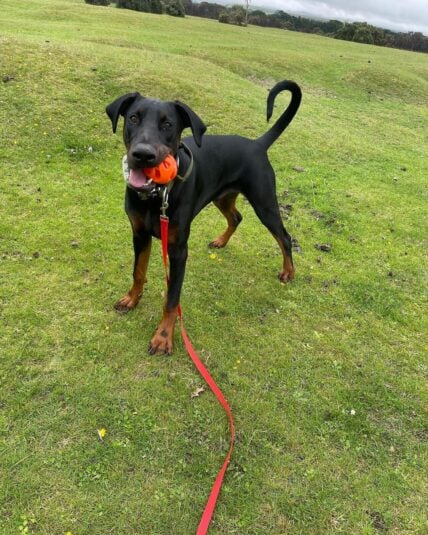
(151, 220)
(144, 214)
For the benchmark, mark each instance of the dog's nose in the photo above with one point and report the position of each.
(144, 154)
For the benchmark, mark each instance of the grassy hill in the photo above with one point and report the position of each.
(326, 376)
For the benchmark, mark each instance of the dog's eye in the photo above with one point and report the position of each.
(166, 125)
(133, 119)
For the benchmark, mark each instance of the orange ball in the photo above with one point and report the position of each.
(164, 172)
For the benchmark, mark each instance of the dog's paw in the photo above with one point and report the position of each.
(161, 343)
(286, 276)
(126, 303)
(218, 243)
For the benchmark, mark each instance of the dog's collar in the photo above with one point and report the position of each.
(157, 191)
(190, 166)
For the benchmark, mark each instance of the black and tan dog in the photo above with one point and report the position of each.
(218, 169)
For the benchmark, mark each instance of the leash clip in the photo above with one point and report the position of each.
(165, 204)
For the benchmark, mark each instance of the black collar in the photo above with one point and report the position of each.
(190, 166)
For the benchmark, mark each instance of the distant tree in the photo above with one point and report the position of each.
(188, 7)
(283, 15)
(363, 34)
(257, 13)
(332, 26)
(414, 41)
(208, 10)
(136, 5)
(418, 42)
(379, 36)
(175, 8)
(155, 6)
(346, 32)
(98, 2)
(237, 15)
(258, 18)
(224, 17)
(276, 22)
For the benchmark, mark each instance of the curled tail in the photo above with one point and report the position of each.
(281, 124)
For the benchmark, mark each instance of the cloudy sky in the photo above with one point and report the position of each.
(397, 15)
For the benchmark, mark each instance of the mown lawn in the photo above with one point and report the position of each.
(326, 376)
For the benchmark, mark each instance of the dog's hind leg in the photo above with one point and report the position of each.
(265, 205)
(271, 218)
(226, 205)
(284, 241)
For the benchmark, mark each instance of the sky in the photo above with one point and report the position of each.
(396, 15)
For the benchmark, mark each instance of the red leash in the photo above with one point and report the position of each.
(212, 500)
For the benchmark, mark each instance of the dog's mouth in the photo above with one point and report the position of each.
(136, 179)
(139, 181)
(147, 180)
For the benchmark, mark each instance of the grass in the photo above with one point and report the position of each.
(326, 376)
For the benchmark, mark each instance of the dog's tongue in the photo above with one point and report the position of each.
(137, 178)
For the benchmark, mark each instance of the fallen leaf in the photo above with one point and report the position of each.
(198, 392)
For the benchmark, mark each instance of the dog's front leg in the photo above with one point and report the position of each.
(162, 341)
(142, 247)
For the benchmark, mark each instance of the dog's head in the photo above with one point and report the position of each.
(152, 128)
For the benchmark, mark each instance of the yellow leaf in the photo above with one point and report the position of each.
(102, 433)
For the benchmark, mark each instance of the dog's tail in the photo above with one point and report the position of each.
(281, 124)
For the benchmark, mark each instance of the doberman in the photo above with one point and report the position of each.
(215, 168)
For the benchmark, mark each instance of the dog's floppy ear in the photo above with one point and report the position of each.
(190, 119)
(119, 107)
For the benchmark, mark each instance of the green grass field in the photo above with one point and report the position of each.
(326, 376)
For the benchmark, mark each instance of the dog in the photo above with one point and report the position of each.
(210, 169)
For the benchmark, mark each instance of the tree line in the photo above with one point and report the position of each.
(359, 32)
(170, 7)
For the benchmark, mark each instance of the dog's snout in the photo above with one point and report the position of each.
(144, 154)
